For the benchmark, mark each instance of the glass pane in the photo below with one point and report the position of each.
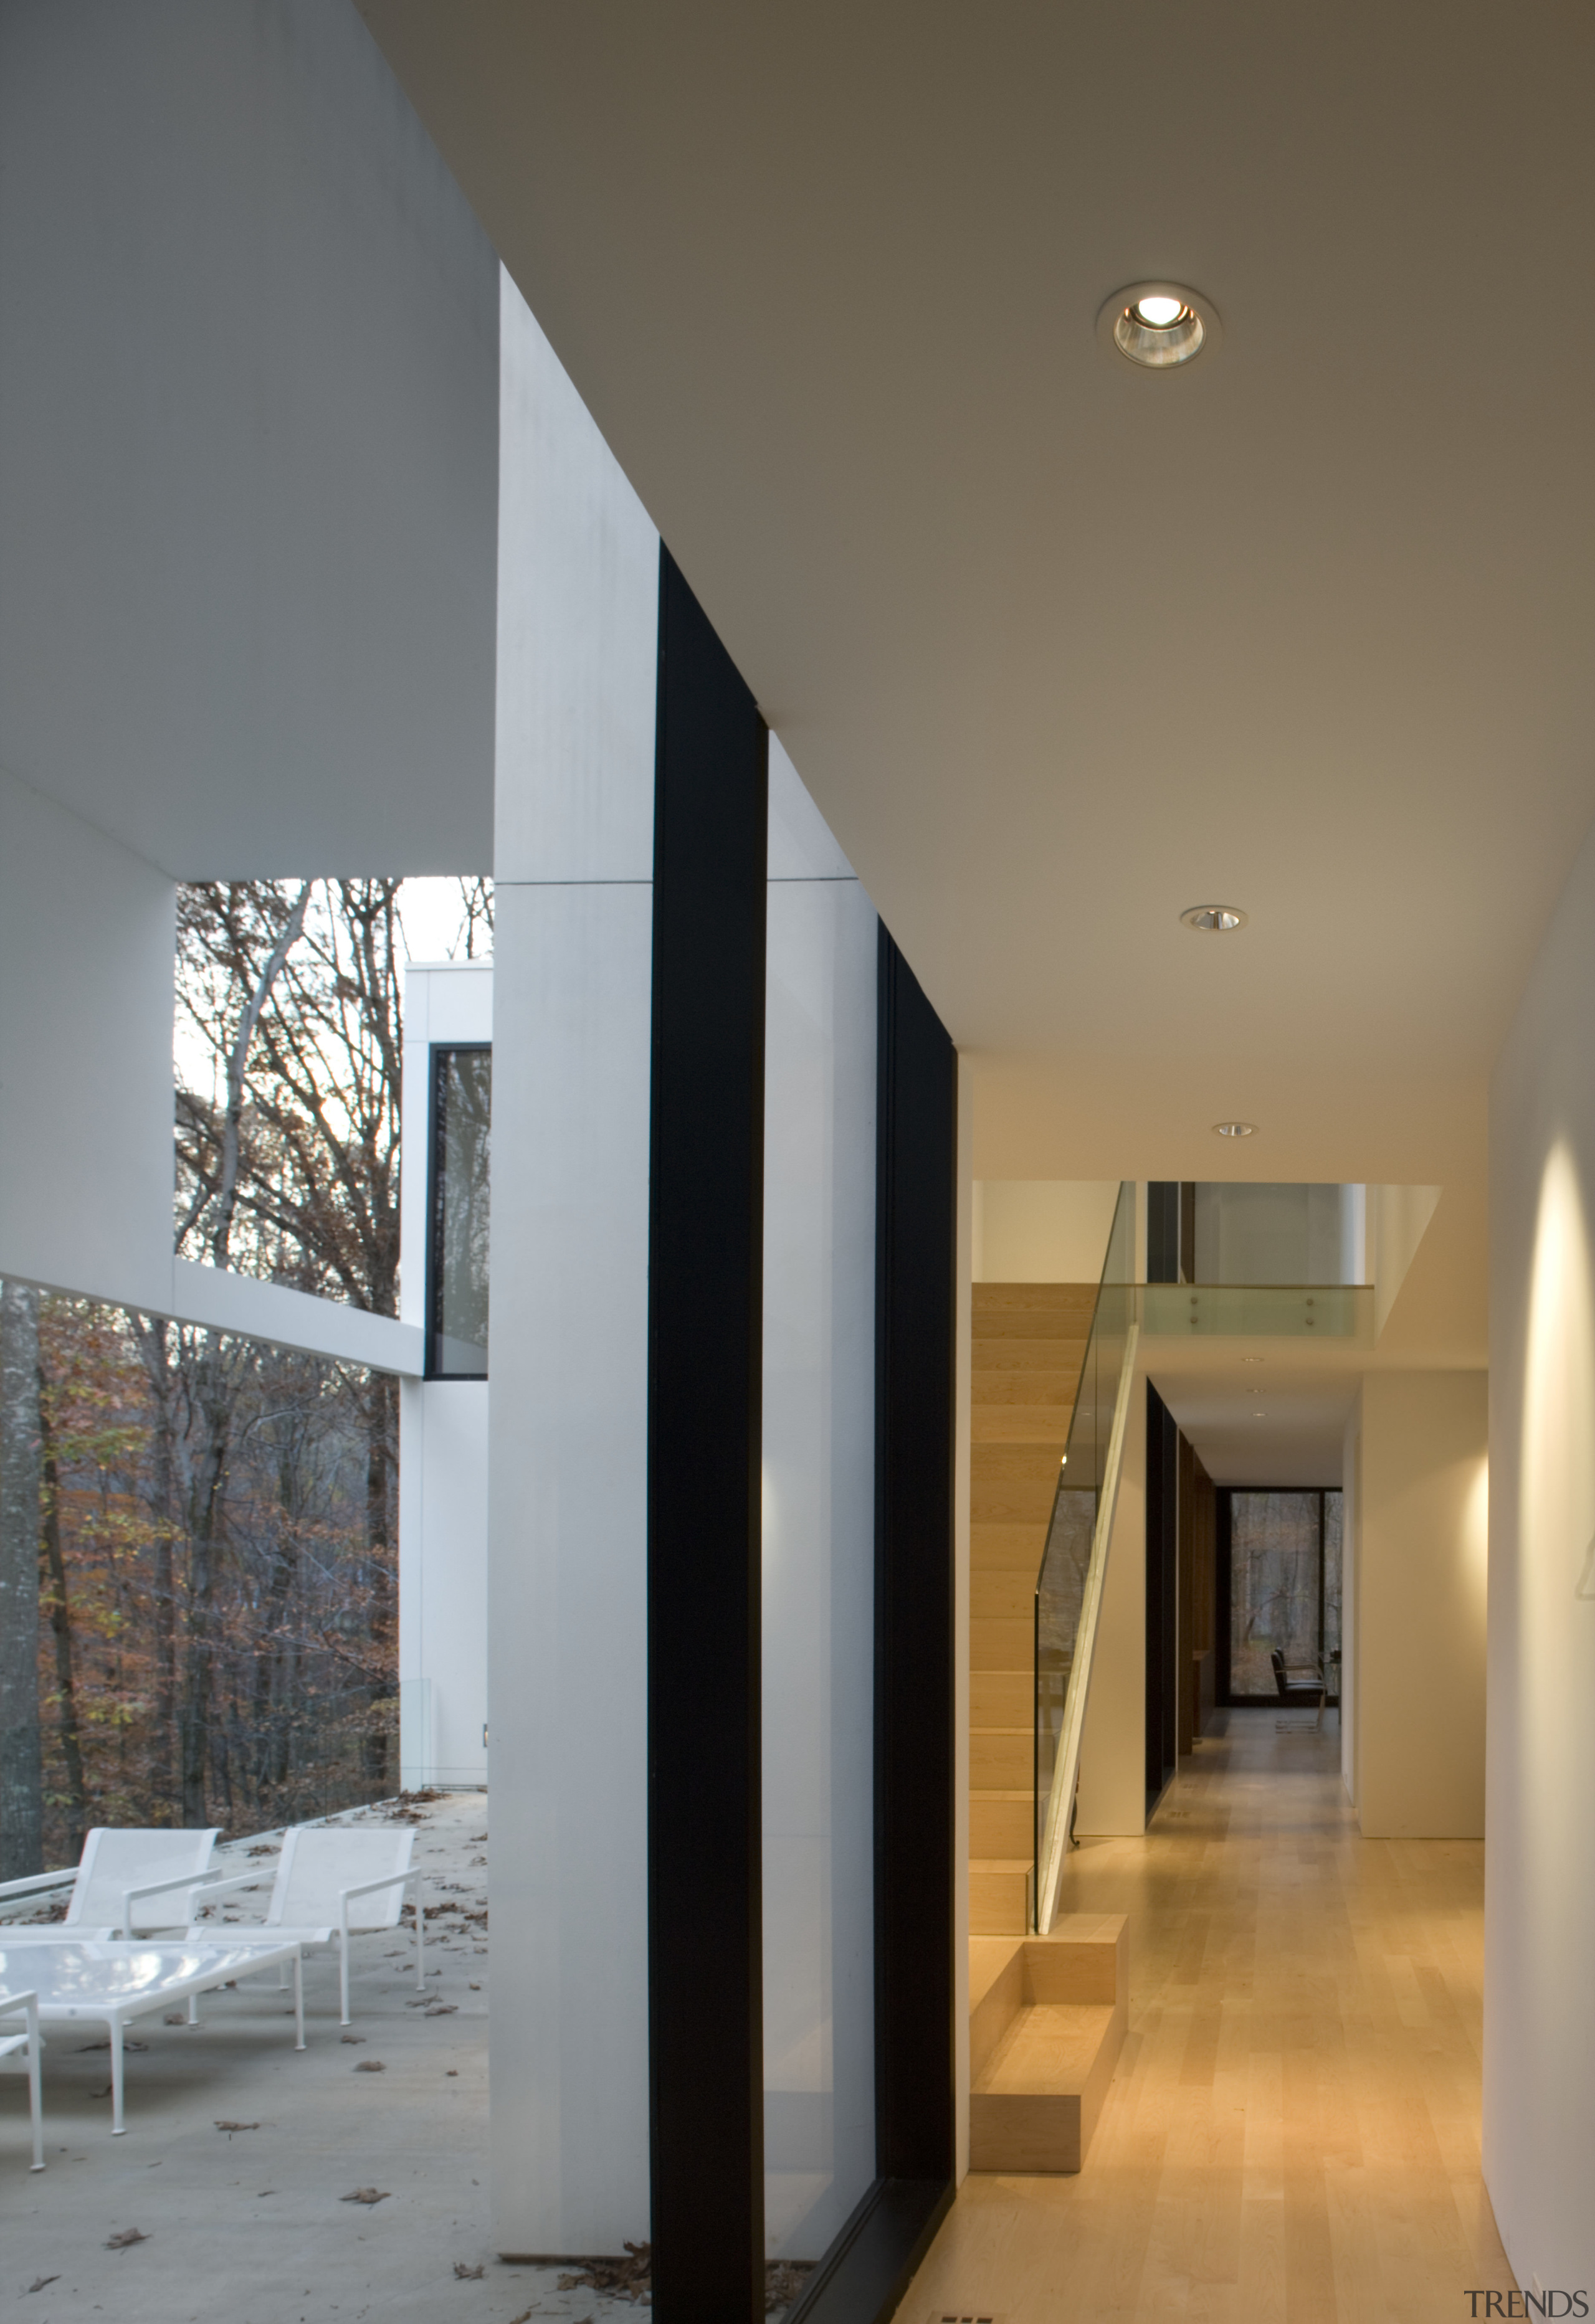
(818, 1539)
(1273, 1587)
(1062, 1593)
(1334, 1505)
(463, 1115)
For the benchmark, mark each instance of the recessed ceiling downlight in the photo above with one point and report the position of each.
(1214, 919)
(1236, 1129)
(1157, 325)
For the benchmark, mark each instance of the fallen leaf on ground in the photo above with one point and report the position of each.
(784, 2282)
(468, 2274)
(174, 2017)
(39, 2281)
(237, 2125)
(626, 2279)
(128, 2236)
(353, 2040)
(84, 2047)
(475, 1988)
(443, 2009)
(365, 2195)
(102, 2094)
(452, 2074)
(370, 2066)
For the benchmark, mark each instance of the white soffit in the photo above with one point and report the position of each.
(248, 445)
(1061, 648)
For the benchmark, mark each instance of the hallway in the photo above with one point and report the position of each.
(1292, 2131)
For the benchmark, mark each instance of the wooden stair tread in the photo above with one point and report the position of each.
(1050, 2050)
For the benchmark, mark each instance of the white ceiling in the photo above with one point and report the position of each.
(1061, 648)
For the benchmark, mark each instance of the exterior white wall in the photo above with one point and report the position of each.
(88, 944)
(1539, 1994)
(818, 1558)
(1419, 1556)
(567, 1535)
(248, 444)
(443, 1440)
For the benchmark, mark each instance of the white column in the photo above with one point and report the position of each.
(578, 598)
(443, 1442)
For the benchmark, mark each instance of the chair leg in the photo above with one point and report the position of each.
(193, 2009)
(116, 2062)
(36, 2102)
(298, 2000)
(343, 1977)
(421, 1941)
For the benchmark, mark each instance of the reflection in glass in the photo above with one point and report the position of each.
(458, 1256)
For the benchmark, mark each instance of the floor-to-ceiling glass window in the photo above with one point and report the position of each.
(819, 1531)
(1281, 1561)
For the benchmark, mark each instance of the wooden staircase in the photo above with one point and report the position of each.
(1029, 1344)
(1046, 2022)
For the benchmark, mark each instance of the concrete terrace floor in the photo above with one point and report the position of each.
(248, 2226)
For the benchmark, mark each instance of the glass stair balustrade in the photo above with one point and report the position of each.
(1068, 1588)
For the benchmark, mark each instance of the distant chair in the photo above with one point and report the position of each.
(333, 1881)
(19, 2055)
(1300, 1686)
(121, 1869)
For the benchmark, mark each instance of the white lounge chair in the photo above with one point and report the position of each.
(111, 1983)
(121, 1867)
(19, 2055)
(332, 1882)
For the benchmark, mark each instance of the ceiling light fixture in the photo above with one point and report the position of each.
(1157, 325)
(1235, 1128)
(1213, 920)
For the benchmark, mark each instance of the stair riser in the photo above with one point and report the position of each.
(1002, 1827)
(998, 1901)
(1008, 1595)
(1000, 1763)
(1017, 1546)
(1002, 1646)
(1002, 1697)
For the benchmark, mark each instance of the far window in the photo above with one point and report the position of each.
(457, 1240)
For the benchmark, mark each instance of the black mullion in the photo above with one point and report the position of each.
(706, 1375)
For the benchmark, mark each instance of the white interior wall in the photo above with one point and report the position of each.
(1043, 1230)
(87, 945)
(443, 1440)
(1397, 1218)
(1421, 1550)
(818, 1559)
(1351, 1537)
(568, 1533)
(1539, 2012)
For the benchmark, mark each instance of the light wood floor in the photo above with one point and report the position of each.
(1293, 2132)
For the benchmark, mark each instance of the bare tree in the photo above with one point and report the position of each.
(21, 1779)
